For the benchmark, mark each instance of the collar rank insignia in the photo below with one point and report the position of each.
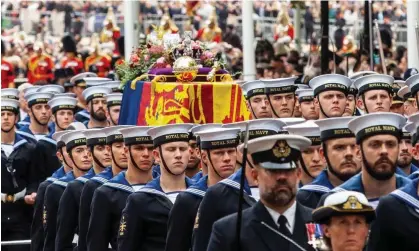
(122, 226)
(352, 204)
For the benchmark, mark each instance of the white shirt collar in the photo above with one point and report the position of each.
(289, 214)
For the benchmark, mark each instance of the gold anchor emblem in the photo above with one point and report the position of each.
(281, 149)
(352, 203)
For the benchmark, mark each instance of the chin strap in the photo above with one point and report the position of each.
(114, 161)
(92, 149)
(321, 108)
(110, 117)
(273, 110)
(75, 165)
(365, 105)
(133, 161)
(329, 166)
(251, 109)
(56, 123)
(36, 119)
(165, 166)
(213, 167)
(65, 162)
(303, 165)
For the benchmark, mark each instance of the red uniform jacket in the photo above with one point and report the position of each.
(75, 63)
(101, 64)
(7, 74)
(40, 68)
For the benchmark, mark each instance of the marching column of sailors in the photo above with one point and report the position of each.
(176, 187)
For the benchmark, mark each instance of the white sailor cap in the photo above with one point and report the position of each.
(95, 137)
(397, 85)
(11, 93)
(78, 80)
(307, 129)
(374, 82)
(359, 74)
(413, 83)
(65, 95)
(277, 151)
(54, 89)
(334, 128)
(291, 121)
(280, 85)
(253, 88)
(406, 133)
(258, 128)
(76, 126)
(95, 92)
(197, 128)
(57, 137)
(115, 85)
(113, 99)
(136, 135)
(376, 123)
(170, 133)
(113, 134)
(63, 103)
(29, 90)
(352, 90)
(38, 98)
(95, 81)
(305, 94)
(343, 203)
(405, 94)
(413, 127)
(330, 82)
(219, 138)
(8, 104)
(73, 139)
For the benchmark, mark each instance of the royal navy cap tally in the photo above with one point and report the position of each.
(95, 81)
(54, 89)
(11, 93)
(305, 95)
(253, 88)
(115, 85)
(8, 104)
(258, 128)
(38, 98)
(277, 151)
(334, 128)
(78, 80)
(219, 138)
(66, 95)
(397, 86)
(280, 85)
(374, 82)
(170, 133)
(344, 203)
(136, 135)
(63, 103)
(57, 137)
(197, 128)
(73, 139)
(113, 134)
(95, 92)
(307, 129)
(359, 74)
(330, 82)
(413, 83)
(95, 137)
(376, 123)
(113, 99)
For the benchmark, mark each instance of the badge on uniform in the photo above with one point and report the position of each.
(281, 149)
(315, 236)
(44, 217)
(196, 225)
(122, 226)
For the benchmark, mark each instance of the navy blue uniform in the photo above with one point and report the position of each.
(37, 230)
(85, 202)
(414, 175)
(53, 195)
(197, 176)
(82, 116)
(310, 194)
(219, 201)
(182, 216)
(144, 219)
(68, 212)
(397, 224)
(108, 202)
(47, 161)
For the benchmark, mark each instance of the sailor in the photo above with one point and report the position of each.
(256, 99)
(63, 115)
(69, 203)
(143, 224)
(196, 168)
(311, 161)
(397, 103)
(114, 147)
(75, 151)
(405, 167)
(24, 89)
(375, 93)
(109, 200)
(219, 154)
(413, 83)
(222, 198)
(71, 59)
(409, 105)
(345, 218)
(277, 221)
(40, 114)
(330, 91)
(113, 103)
(350, 109)
(18, 186)
(378, 136)
(79, 86)
(281, 96)
(339, 152)
(12, 93)
(412, 127)
(37, 230)
(96, 106)
(309, 110)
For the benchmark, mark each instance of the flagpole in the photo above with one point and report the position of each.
(412, 41)
(249, 65)
(324, 8)
(131, 27)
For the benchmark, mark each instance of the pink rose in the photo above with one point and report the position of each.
(160, 60)
(134, 58)
(146, 57)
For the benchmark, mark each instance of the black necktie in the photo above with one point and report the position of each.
(282, 221)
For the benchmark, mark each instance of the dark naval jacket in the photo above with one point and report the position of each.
(46, 158)
(309, 195)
